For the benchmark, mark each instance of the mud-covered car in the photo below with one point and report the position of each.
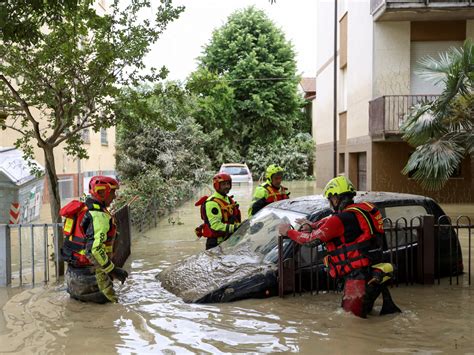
(245, 265)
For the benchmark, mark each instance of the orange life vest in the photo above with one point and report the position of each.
(75, 241)
(230, 214)
(351, 250)
(275, 194)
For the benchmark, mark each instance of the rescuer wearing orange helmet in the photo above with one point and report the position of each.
(220, 213)
(90, 231)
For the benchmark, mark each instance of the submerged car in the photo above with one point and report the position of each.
(245, 265)
(240, 173)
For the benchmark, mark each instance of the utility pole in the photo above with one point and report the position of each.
(335, 92)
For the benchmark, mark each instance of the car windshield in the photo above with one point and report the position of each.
(235, 170)
(260, 233)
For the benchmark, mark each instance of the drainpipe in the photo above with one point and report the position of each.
(335, 92)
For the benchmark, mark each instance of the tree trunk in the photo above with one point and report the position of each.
(53, 187)
(54, 201)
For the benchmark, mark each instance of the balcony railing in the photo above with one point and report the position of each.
(400, 9)
(387, 114)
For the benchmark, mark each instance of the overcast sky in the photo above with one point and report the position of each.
(184, 38)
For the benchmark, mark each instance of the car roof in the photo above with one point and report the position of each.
(314, 203)
(233, 164)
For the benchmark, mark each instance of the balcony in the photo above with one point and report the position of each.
(421, 10)
(387, 113)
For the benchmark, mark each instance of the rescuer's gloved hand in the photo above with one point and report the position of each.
(315, 242)
(118, 274)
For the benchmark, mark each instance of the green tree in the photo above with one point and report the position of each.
(250, 69)
(160, 154)
(442, 130)
(71, 73)
(21, 20)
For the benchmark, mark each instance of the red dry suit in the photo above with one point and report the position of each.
(348, 235)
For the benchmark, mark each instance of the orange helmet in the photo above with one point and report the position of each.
(99, 183)
(218, 178)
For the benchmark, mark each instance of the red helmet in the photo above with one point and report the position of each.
(99, 183)
(218, 178)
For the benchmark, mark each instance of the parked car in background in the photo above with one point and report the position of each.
(240, 173)
(245, 265)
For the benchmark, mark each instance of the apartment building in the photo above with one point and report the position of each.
(74, 174)
(379, 45)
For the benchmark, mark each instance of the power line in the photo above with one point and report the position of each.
(254, 79)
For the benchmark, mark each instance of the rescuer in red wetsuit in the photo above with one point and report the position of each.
(349, 235)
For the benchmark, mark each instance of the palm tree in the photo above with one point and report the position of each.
(442, 130)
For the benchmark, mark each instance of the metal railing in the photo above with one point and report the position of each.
(387, 113)
(422, 251)
(31, 253)
(35, 256)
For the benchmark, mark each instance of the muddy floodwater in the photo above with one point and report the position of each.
(148, 319)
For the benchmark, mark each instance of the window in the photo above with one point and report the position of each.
(342, 166)
(86, 135)
(419, 50)
(362, 171)
(66, 187)
(343, 42)
(103, 136)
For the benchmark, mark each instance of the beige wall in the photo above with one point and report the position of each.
(470, 29)
(390, 158)
(359, 68)
(391, 58)
(358, 86)
(324, 164)
(323, 107)
(101, 157)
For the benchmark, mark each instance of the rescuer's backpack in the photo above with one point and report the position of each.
(71, 213)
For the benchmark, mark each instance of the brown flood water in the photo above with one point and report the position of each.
(148, 319)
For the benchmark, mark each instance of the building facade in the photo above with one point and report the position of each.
(75, 174)
(379, 45)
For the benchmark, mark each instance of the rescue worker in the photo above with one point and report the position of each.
(269, 191)
(353, 236)
(220, 213)
(90, 231)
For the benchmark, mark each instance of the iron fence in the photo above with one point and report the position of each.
(35, 254)
(31, 253)
(423, 251)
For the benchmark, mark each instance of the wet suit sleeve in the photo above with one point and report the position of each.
(97, 235)
(258, 200)
(214, 215)
(331, 228)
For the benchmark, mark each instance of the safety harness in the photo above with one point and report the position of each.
(357, 248)
(75, 242)
(230, 215)
(275, 194)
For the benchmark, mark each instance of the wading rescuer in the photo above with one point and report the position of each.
(220, 213)
(269, 191)
(350, 233)
(89, 231)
